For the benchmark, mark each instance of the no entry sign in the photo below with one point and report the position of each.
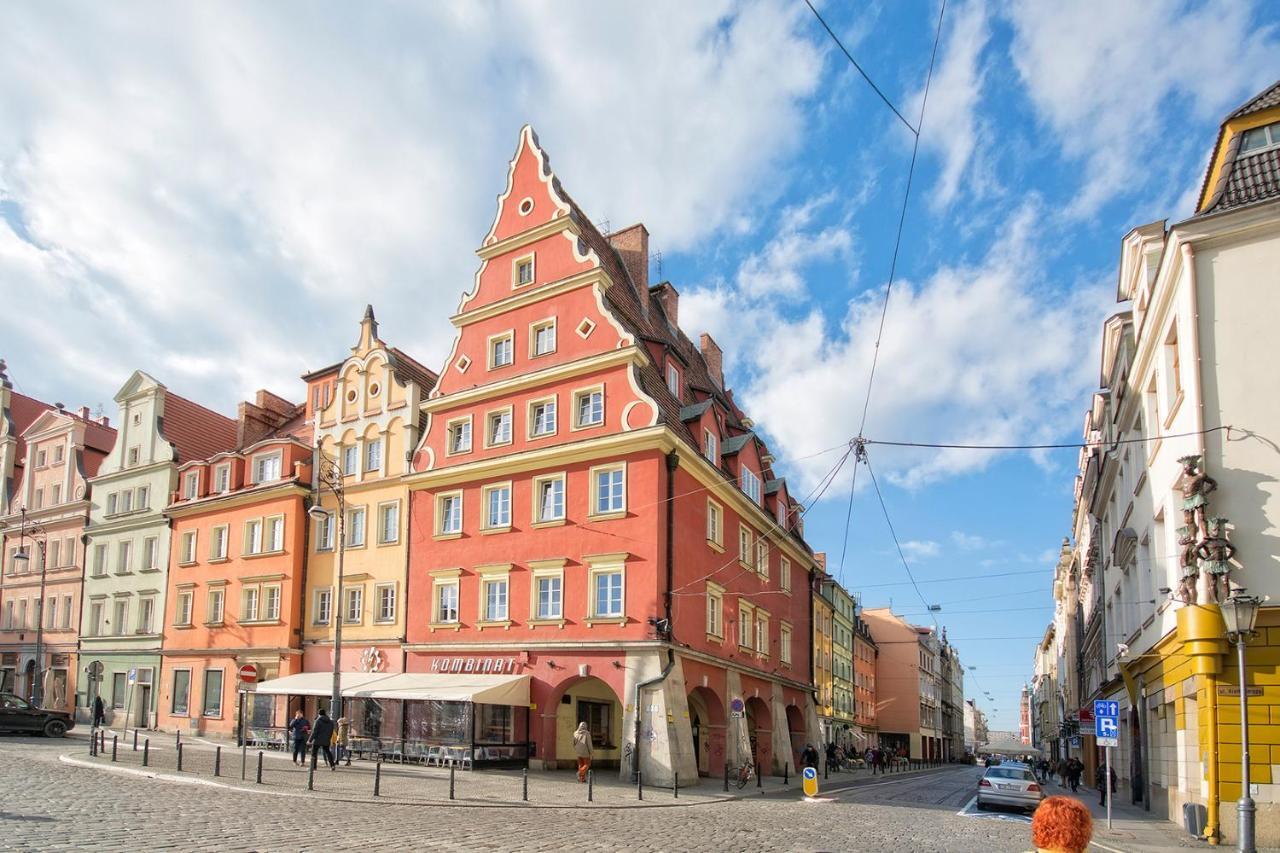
(249, 673)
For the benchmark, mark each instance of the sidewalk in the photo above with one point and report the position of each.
(1133, 830)
(408, 783)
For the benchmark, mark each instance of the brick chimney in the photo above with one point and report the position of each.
(667, 294)
(256, 420)
(632, 246)
(84, 413)
(714, 357)
(820, 557)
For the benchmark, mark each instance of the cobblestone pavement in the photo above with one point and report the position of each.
(49, 804)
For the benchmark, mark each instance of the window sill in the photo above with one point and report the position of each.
(443, 537)
(534, 623)
(497, 444)
(489, 531)
(213, 561)
(182, 564)
(150, 570)
(580, 427)
(504, 624)
(184, 627)
(605, 620)
(444, 626)
(384, 621)
(715, 546)
(388, 544)
(551, 522)
(255, 622)
(607, 516)
(219, 624)
(451, 453)
(540, 435)
(258, 554)
(715, 639)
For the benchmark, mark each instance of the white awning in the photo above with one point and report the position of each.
(316, 683)
(448, 687)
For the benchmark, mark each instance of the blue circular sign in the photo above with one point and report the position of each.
(736, 704)
(811, 773)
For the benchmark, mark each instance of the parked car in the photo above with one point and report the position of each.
(1009, 785)
(19, 715)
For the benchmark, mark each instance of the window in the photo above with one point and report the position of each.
(66, 613)
(373, 455)
(495, 599)
(609, 489)
(548, 498)
(446, 602)
(746, 545)
(134, 452)
(542, 418)
(762, 632)
(449, 514)
(389, 523)
(746, 624)
(500, 350)
(607, 593)
(543, 336)
(673, 380)
(599, 719)
(120, 615)
(762, 558)
(146, 615)
(1260, 137)
(350, 458)
(249, 600)
(550, 596)
(253, 536)
(118, 687)
(711, 446)
(324, 532)
(497, 511)
(124, 557)
(187, 548)
(55, 496)
(181, 692)
(126, 500)
(588, 406)
(112, 501)
(57, 454)
(95, 618)
(218, 542)
(212, 693)
(99, 560)
(40, 458)
(150, 546)
(498, 430)
(266, 468)
(715, 525)
(323, 607)
(386, 602)
(144, 497)
(272, 611)
(353, 612)
(222, 478)
(784, 574)
(55, 553)
(275, 533)
(750, 484)
(190, 485)
(715, 610)
(216, 606)
(459, 437)
(522, 271)
(38, 501)
(355, 527)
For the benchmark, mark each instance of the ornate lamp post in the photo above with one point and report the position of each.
(1239, 612)
(22, 558)
(329, 476)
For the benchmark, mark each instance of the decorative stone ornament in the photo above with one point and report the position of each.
(1215, 554)
(371, 660)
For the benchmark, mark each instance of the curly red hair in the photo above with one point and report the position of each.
(1063, 825)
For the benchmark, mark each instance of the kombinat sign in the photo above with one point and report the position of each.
(482, 666)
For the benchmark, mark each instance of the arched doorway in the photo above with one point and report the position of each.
(587, 700)
(796, 731)
(759, 728)
(707, 720)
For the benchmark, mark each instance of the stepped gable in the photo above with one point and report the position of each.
(194, 431)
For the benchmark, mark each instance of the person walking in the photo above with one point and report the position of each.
(582, 747)
(321, 736)
(1062, 772)
(99, 712)
(342, 739)
(1099, 778)
(1061, 825)
(298, 730)
(1075, 769)
(809, 757)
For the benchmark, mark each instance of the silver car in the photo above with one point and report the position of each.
(1009, 785)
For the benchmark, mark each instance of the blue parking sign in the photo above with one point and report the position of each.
(1106, 722)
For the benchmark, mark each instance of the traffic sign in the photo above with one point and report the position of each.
(133, 675)
(736, 704)
(248, 673)
(95, 669)
(1106, 722)
(810, 781)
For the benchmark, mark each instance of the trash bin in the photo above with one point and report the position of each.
(1194, 817)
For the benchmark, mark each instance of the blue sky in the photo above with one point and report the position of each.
(213, 193)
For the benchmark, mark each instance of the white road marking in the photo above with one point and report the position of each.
(1105, 847)
(970, 810)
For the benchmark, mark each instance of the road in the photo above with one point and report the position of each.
(50, 805)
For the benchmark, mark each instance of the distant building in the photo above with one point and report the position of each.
(908, 685)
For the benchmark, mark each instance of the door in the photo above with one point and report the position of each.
(141, 717)
(697, 744)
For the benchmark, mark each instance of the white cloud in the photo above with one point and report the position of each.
(1110, 80)
(951, 127)
(969, 541)
(917, 549)
(233, 185)
(779, 266)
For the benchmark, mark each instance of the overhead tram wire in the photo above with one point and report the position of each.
(1065, 446)
(959, 578)
(898, 545)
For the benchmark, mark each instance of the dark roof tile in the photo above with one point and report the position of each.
(194, 431)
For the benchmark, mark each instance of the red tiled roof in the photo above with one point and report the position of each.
(23, 411)
(194, 431)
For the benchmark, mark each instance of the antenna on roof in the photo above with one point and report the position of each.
(98, 413)
(603, 227)
(656, 259)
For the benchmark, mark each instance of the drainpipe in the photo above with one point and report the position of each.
(673, 462)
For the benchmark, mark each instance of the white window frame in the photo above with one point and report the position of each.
(372, 455)
(490, 439)
(150, 553)
(383, 509)
(746, 545)
(147, 614)
(715, 525)
(350, 455)
(531, 430)
(322, 605)
(251, 603)
(380, 600)
(219, 542)
(456, 424)
(596, 571)
(222, 478)
(711, 446)
(182, 608)
(124, 556)
(762, 632)
(579, 394)
(260, 471)
(273, 534)
(543, 325)
(191, 485)
(254, 540)
(673, 380)
(491, 349)
(216, 606)
(545, 479)
(354, 512)
(747, 624)
(143, 497)
(517, 263)
(495, 580)
(326, 530)
(715, 611)
(444, 519)
(439, 581)
(762, 557)
(353, 594)
(594, 474)
(784, 574)
(549, 570)
(486, 521)
(750, 484)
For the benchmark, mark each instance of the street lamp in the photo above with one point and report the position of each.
(329, 475)
(21, 557)
(1239, 612)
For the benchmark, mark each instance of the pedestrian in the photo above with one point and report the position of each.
(582, 747)
(1061, 825)
(1062, 772)
(1075, 769)
(809, 757)
(831, 756)
(1102, 788)
(342, 738)
(99, 712)
(299, 728)
(321, 736)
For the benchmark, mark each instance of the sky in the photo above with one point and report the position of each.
(212, 192)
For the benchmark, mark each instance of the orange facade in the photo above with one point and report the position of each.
(236, 574)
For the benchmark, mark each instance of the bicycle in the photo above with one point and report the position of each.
(743, 774)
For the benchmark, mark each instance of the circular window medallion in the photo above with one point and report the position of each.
(374, 389)
(526, 207)
(351, 396)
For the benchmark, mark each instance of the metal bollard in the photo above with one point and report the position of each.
(726, 775)
(311, 776)
(93, 743)
(179, 758)
(217, 761)
(244, 760)
(146, 752)
(826, 770)
(135, 740)
(115, 743)
(675, 788)
(524, 785)
(639, 785)
(786, 773)
(259, 780)
(591, 781)
(102, 741)
(377, 778)
(177, 738)
(452, 768)
(759, 777)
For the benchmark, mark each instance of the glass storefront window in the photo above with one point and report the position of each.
(438, 722)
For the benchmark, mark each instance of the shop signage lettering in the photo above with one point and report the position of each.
(484, 666)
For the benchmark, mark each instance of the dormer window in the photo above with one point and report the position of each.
(711, 446)
(1258, 138)
(266, 468)
(673, 380)
(222, 478)
(190, 485)
(750, 484)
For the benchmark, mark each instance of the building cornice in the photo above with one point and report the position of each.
(232, 500)
(531, 295)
